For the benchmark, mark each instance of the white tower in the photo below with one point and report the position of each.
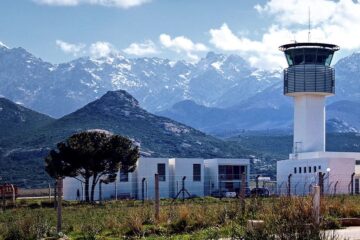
(309, 79)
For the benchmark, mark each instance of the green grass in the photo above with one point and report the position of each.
(201, 218)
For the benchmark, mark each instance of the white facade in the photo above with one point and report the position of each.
(337, 166)
(194, 181)
(309, 122)
(201, 178)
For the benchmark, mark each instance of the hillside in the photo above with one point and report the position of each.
(120, 113)
(15, 118)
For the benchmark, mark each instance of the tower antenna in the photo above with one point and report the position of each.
(309, 25)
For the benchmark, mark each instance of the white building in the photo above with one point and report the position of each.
(309, 79)
(201, 177)
(225, 174)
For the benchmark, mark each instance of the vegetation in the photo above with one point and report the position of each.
(200, 218)
(96, 155)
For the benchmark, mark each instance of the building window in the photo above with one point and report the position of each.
(124, 176)
(309, 169)
(161, 172)
(196, 172)
(314, 168)
(357, 162)
(295, 170)
(299, 169)
(304, 169)
(230, 172)
(319, 167)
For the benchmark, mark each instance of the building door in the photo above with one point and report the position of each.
(357, 190)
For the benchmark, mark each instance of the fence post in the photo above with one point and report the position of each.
(316, 205)
(335, 187)
(183, 188)
(289, 184)
(157, 198)
(257, 181)
(59, 204)
(100, 192)
(352, 183)
(3, 198)
(55, 194)
(242, 193)
(321, 182)
(143, 189)
(13, 195)
(49, 193)
(116, 191)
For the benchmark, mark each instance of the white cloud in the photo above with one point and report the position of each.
(332, 22)
(182, 44)
(141, 49)
(108, 3)
(70, 48)
(263, 53)
(101, 49)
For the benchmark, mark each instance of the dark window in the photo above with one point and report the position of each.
(196, 172)
(236, 172)
(299, 169)
(309, 169)
(319, 167)
(124, 176)
(161, 171)
(304, 169)
(294, 169)
(357, 162)
(314, 168)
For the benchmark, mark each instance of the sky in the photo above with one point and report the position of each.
(61, 30)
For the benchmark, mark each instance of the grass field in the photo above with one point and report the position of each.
(202, 218)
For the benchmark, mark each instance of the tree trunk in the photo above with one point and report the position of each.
(87, 180)
(93, 187)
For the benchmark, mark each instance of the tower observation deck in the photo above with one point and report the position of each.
(309, 79)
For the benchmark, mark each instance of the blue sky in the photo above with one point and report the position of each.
(61, 30)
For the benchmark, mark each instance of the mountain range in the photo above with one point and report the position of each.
(32, 135)
(219, 94)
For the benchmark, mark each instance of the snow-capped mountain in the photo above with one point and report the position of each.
(57, 89)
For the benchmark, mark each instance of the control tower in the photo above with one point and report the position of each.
(309, 80)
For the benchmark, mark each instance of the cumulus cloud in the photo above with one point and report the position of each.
(141, 49)
(101, 49)
(108, 3)
(332, 22)
(70, 48)
(263, 53)
(182, 44)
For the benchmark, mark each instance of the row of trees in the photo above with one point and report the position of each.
(93, 155)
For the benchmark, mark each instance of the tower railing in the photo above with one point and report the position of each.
(309, 78)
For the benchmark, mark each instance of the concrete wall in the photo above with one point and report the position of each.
(184, 167)
(340, 170)
(147, 168)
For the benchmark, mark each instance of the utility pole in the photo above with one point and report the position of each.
(157, 198)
